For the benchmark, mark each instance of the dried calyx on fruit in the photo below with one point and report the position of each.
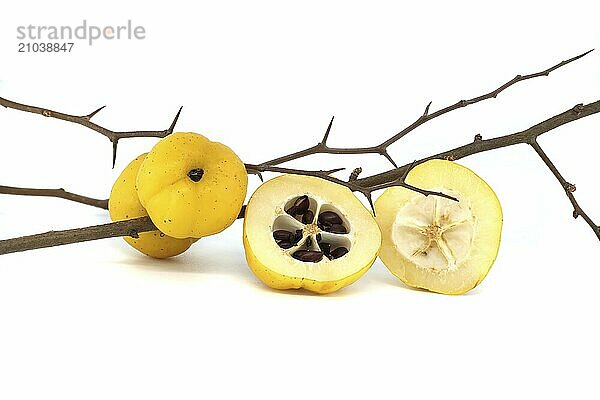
(435, 243)
(305, 232)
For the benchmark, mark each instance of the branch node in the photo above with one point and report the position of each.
(478, 138)
(450, 157)
(577, 109)
(46, 113)
(575, 214)
(134, 234)
(354, 175)
(570, 187)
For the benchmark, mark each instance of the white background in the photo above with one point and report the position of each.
(99, 321)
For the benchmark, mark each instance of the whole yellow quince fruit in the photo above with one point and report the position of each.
(191, 186)
(124, 204)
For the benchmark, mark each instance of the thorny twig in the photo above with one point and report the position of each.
(569, 188)
(86, 120)
(366, 186)
(131, 227)
(382, 148)
(528, 136)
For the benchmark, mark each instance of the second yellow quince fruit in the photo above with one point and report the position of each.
(124, 204)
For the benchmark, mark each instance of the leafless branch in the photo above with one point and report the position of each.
(366, 186)
(569, 188)
(528, 136)
(382, 148)
(85, 120)
(60, 193)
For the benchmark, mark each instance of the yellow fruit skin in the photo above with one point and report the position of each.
(124, 204)
(180, 207)
(283, 282)
(434, 175)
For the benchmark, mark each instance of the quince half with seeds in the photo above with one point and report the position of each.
(306, 232)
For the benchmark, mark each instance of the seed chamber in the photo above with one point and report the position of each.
(310, 231)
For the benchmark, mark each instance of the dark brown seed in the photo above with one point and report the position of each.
(319, 237)
(297, 236)
(293, 211)
(325, 248)
(341, 229)
(308, 242)
(308, 255)
(308, 217)
(302, 204)
(330, 218)
(339, 252)
(283, 235)
(284, 244)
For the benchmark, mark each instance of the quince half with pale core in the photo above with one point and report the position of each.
(191, 186)
(124, 204)
(306, 232)
(435, 243)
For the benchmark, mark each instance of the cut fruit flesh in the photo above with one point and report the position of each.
(294, 239)
(436, 243)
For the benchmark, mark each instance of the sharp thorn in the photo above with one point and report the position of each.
(326, 136)
(370, 200)
(390, 159)
(90, 115)
(260, 176)
(426, 113)
(115, 142)
(170, 130)
(410, 167)
(333, 171)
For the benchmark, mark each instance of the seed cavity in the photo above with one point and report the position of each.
(321, 234)
(286, 239)
(330, 221)
(299, 206)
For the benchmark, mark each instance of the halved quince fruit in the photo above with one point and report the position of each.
(124, 204)
(192, 187)
(305, 232)
(436, 243)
